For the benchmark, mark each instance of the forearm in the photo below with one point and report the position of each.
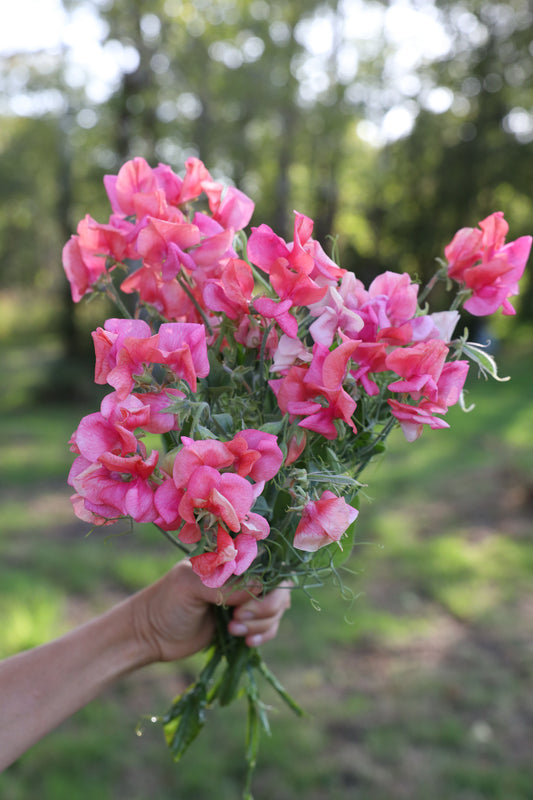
(40, 688)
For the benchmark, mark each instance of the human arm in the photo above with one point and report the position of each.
(167, 621)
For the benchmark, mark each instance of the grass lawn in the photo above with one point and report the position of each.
(417, 684)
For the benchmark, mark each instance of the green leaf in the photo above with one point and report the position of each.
(204, 432)
(486, 363)
(186, 718)
(272, 427)
(238, 660)
(225, 421)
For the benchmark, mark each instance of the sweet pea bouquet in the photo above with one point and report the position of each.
(251, 380)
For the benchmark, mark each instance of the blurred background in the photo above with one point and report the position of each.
(392, 125)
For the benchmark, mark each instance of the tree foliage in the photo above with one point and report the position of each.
(272, 96)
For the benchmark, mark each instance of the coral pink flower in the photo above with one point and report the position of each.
(229, 206)
(323, 521)
(413, 418)
(195, 175)
(162, 244)
(494, 281)
(194, 454)
(135, 177)
(167, 499)
(371, 357)
(109, 343)
(278, 311)
(167, 297)
(80, 275)
(231, 292)
(226, 497)
(420, 365)
(256, 454)
(231, 557)
(316, 392)
(107, 495)
(463, 251)
(482, 261)
(182, 348)
(295, 447)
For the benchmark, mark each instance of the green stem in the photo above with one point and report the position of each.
(428, 287)
(194, 301)
(173, 539)
(112, 293)
(259, 278)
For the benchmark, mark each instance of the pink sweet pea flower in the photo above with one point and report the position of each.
(371, 358)
(333, 317)
(231, 557)
(420, 365)
(226, 497)
(192, 186)
(194, 454)
(95, 436)
(323, 521)
(162, 246)
(231, 293)
(124, 347)
(256, 454)
(167, 297)
(487, 266)
(413, 418)
(182, 347)
(229, 206)
(134, 177)
(107, 495)
(325, 377)
(167, 499)
(109, 342)
(80, 275)
(494, 281)
(316, 392)
(463, 251)
(288, 353)
(278, 311)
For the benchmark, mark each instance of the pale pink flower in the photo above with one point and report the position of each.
(333, 317)
(289, 352)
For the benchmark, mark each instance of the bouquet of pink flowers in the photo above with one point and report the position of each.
(273, 377)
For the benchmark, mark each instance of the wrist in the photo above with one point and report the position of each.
(146, 644)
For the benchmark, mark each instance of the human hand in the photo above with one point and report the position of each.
(173, 617)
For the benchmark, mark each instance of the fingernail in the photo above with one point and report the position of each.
(237, 629)
(255, 641)
(245, 614)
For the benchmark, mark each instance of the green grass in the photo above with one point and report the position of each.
(416, 685)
